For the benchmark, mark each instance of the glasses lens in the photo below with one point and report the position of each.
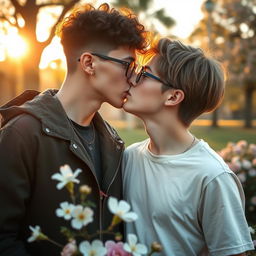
(130, 69)
(138, 77)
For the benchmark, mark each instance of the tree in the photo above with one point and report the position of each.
(234, 38)
(143, 7)
(24, 16)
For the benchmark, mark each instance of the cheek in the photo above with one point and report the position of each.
(145, 99)
(111, 75)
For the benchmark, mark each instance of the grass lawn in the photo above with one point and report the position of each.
(216, 137)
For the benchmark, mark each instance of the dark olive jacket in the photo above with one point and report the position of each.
(37, 138)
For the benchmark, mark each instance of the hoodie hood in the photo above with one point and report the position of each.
(43, 106)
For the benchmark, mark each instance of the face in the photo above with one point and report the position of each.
(110, 79)
(145, 97)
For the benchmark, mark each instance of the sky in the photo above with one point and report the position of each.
(186, 13)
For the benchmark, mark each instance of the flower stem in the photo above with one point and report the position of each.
(53, 242)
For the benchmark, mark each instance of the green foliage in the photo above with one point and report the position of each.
(216, 137)
(143, 6)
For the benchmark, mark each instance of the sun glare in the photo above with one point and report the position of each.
(16, 46)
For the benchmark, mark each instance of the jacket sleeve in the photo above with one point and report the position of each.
(15, 187)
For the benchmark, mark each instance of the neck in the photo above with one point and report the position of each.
(78, 100)
(168, 138)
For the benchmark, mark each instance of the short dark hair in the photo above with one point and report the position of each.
(90, 28)
(201, 78)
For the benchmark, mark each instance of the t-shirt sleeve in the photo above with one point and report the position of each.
(222, 216)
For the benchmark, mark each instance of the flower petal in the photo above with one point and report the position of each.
(64, 205)
(61, 185)
(57, 176)
(141, 248)
(84, 247)
(127, 248)
(66, 170)
(59, 212)
(113, 205)
(132, 239)
(129, 217)
(96, 243)
(124, 206)
(76, 224)
(77, 172)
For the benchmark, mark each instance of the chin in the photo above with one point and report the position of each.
(126, 108)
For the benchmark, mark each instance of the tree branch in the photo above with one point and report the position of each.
(3, 17)
(50, 4)
(66, 8)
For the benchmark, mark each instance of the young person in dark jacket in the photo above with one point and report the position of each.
(42, 131)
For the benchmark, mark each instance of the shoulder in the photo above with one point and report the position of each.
(212, 162)
(23, 126)
(23, 121)
(135, 148)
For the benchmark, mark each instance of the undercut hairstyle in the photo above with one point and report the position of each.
(103, 29)
(201, 78)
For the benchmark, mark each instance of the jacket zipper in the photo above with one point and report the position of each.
(105, 195)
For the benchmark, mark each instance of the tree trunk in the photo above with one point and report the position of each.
(248, 106)
(215, 119)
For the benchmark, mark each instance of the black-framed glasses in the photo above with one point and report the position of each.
(143, 72)
(130, 65)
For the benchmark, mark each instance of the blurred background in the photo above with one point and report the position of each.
(31, 56)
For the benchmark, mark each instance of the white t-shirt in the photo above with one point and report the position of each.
(187, 202)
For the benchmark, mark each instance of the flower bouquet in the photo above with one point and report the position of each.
(81, 214)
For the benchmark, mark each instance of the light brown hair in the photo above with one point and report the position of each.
(187, 68)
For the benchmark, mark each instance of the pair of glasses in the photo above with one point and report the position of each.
(144, 73)
(130, 65)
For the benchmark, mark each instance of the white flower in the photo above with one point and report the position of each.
(242, 177)
(36, 234)
(252, 230)
(82, 216)
(246, 164)
(121, 209)
(252, 172)
(134, 248)
(94, 249)
(66, 176)
(65, 210)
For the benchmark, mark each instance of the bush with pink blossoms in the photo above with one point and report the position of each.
(241, 158)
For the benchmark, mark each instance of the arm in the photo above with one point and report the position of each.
(15, 159)
(222, 217)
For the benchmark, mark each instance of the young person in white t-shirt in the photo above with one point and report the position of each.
(185, 195)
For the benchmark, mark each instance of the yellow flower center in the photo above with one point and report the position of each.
(92, 253)
(133, 248)
(81, 217)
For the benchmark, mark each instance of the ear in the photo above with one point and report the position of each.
(87, 64)
(174, 97)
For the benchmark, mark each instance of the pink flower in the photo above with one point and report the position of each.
(115, 249)
(254, 162)
(69, 249)
(235, 167)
